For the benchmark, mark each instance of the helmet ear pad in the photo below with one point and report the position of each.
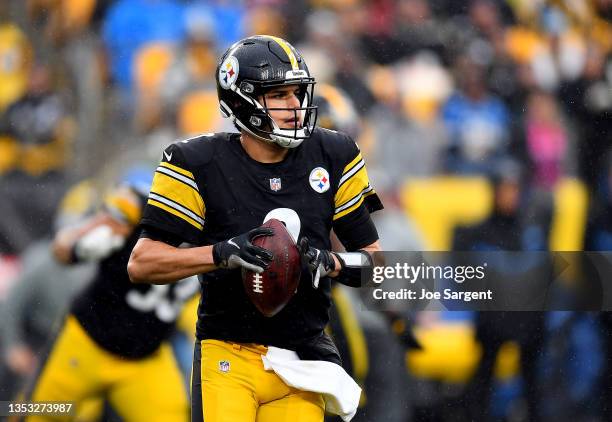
(253, 114)
(261, 120)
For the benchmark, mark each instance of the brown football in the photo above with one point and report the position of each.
(271, 290)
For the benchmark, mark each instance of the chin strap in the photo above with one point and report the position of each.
(354, 267)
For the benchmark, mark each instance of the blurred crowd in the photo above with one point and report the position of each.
(483, 122)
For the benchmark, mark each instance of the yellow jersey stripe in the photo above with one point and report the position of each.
(350, 165)
(283, 44)
(177, 176)
(352, 187)
(356, 168)
(354, 199)
(180, 192)
(348, 210)
(176, 206)
(173, 211)
(177, 169)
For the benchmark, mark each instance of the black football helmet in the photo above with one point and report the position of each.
(250, 68)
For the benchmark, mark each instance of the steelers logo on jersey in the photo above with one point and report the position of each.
(319, 180)
(228, 72)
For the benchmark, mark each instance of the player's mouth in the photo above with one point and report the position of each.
(291, 124)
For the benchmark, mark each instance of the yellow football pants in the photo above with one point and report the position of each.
(149, 389)
(229, 384)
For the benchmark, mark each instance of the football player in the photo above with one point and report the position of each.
(112, 345)
(215, 191)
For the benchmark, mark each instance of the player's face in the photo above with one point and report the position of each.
(285, 97)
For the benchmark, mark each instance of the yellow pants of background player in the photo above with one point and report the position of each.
(149, 389)
(229, 384)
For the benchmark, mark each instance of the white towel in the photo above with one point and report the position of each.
(340, 392)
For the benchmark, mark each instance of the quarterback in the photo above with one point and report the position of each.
(215, 191)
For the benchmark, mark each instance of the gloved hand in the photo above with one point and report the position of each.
(240, 252)
(319, 262)
(98, 244)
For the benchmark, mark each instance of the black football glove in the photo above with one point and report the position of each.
(240, 252)
(319, 262)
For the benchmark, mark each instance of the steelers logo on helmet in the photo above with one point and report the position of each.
(228, 72)
(319, 180)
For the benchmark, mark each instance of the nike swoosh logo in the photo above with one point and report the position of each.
(231, 242)
(168, 156)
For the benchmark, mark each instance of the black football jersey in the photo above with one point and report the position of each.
(208, 189)
(130, 320)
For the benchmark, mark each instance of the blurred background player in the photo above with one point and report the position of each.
(599, 238)
(40, 296)
(113, 343)
(362, 337)
(35, 136)
(504, 230)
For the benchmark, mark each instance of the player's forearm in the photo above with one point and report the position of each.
(374, 247)
(159, 263)
(66, 239)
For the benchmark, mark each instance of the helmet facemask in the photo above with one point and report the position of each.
(252, 114)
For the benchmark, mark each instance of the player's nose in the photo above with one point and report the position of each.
(293, 102)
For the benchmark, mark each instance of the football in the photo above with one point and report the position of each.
(271, 290)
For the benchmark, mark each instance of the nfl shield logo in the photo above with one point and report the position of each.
(275, 184)
(224, 366)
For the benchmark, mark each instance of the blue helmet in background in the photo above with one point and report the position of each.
(139, 178)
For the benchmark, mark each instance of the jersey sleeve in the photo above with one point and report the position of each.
(354, 190)
(175, 204)
(354, 200)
